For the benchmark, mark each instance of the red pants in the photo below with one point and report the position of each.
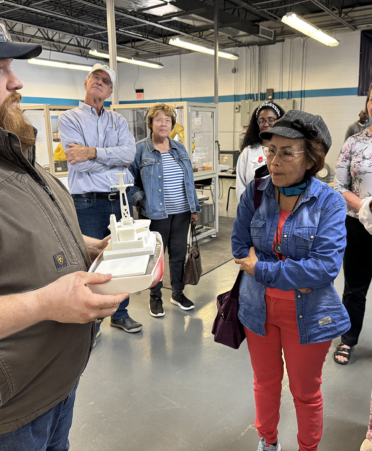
(304, 366)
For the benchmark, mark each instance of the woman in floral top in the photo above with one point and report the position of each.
(353, 180)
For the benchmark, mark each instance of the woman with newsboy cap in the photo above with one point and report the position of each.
(291, 252)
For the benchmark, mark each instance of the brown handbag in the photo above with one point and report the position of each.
(192, 268)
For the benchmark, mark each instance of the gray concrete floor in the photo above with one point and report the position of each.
(233, 202)
(170, 387)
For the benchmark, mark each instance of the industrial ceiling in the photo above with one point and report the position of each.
(144, 27)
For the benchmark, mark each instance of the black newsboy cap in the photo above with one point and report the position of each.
(298, 124)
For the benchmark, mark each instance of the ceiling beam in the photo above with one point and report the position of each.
(18, 7)
(329, 11)
(133, 49)
(46, 12)
(84, 22)
(144, 38)
(49, 40)
(90, 25)
(252, 9)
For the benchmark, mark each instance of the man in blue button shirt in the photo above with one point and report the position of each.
(98, 145)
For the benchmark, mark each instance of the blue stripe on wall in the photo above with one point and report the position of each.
(54, 101)
(336, 92)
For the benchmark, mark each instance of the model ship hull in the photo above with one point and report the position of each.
(132, 283)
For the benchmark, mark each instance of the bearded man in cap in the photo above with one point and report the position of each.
(98, 145)
(47, 311)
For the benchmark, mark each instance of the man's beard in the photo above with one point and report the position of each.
(13, 120)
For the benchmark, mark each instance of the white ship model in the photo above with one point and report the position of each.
(134, 255)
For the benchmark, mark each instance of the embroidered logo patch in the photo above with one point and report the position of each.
(324, 321)
(60, 261)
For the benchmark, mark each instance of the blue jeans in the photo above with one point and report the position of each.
(94, 218)
(48, 432)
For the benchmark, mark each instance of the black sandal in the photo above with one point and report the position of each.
(342, 352)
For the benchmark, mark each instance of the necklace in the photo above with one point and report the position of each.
(278, 246)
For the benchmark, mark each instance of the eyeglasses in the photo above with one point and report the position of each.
(284, 155)
(105, 81)
(160, 120)
(269, 121)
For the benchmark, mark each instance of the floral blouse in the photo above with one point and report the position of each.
(354, 167)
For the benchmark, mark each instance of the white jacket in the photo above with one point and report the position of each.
(365, 214)
(249, 160)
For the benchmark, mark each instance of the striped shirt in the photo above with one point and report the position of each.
(174, 186)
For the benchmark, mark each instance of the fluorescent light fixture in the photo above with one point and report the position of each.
(199, 48)
(128, 60)
(304, 27)
(60, 64)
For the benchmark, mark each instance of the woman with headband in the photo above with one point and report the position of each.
(253, 156)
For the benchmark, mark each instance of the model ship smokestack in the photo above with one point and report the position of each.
(129, 238)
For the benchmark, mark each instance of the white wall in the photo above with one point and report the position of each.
(191, 77)
(51, 82)
(279, 67)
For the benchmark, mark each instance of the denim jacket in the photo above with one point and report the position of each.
(147, 170)
(313, 241)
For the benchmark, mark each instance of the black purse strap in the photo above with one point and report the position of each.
(257, 192)
(235, 289)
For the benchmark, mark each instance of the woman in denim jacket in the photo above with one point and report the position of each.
(291, 250)
(164, 191)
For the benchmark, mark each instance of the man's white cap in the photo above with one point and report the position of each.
(106, 69)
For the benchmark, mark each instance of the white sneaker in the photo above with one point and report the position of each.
(366, 446)
(263, 446)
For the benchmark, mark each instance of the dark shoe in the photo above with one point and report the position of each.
(182, 302)
(156, 307)
(127, 324)
(341, 351)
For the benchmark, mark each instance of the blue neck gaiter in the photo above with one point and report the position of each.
(294, 190)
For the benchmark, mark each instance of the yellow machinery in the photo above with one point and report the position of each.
(59, 153)
(178, 130)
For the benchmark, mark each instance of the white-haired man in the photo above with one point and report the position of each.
(98, 145)
(47, 312)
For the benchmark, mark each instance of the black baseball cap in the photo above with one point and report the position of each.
(298, 124)
(16, 50)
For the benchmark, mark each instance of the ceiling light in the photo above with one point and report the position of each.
(199, 48)
(128, 60)
(60, 64)
(299, 24)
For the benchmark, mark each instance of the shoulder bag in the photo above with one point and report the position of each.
(192, 268)
(227, 328)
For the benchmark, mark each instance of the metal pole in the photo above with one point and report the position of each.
(216, 51)
(111, 32)
(216, 144)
